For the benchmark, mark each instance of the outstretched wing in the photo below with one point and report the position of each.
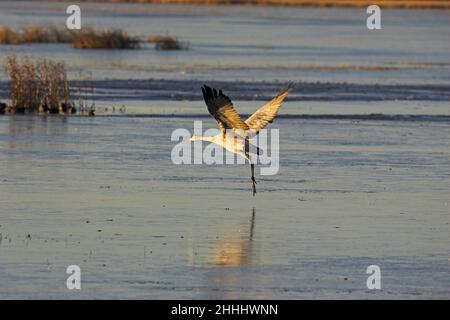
(265, 115)
(222, 110)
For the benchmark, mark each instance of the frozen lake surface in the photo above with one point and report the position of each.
(247, 43)
(364, 160)
(103, 193)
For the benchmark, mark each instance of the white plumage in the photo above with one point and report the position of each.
(236, 134)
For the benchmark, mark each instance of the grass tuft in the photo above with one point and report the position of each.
(38, 87)
(89, 38)
(45, 34)
(167, 42)
(8, 36)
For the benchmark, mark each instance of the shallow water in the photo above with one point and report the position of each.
(364, 160)
(248, 43)
(102, 193)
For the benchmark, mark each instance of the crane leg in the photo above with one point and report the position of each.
(252, 167)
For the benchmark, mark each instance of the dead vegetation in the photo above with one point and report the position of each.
(167, 42)
(34, 34)
(45, 34)
(88, 38)
(40, 87)
(8, 36)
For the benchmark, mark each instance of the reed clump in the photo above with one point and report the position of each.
(8, 36)
(38, 87)
(34, 34)
(45, 34)
(167, 42)
(88, 38)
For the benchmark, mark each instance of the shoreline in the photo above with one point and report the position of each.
(386, 4)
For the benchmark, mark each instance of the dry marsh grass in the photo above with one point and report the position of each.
(38, 87)
(8, 36)
(45, 34)
(34, 34)
(88, 38)
(167, 42)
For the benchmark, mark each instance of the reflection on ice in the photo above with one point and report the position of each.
(236, 251)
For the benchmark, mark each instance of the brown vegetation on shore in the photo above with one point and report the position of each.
(167, 42)
(8, 36)
(37, 87)
(34, 34)
(87, 38)
(45, 34)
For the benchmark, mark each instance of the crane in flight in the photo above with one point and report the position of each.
(235, 134)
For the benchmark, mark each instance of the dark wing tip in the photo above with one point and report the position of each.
(204, 93)
(207, 93)
(211, 93)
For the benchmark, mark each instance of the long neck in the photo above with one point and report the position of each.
(203, 138)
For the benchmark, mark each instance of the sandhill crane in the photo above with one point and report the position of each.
(235, 133)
